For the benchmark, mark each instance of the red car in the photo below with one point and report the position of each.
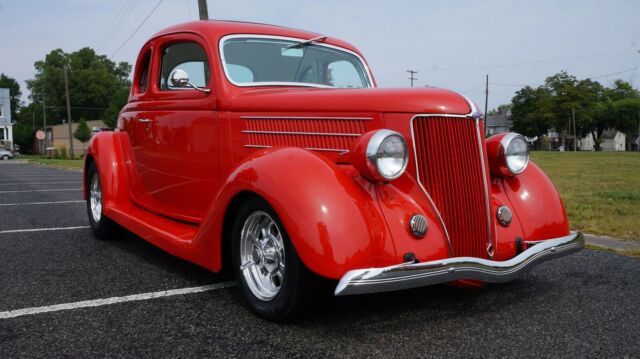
(270, 151)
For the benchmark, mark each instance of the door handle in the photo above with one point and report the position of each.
(144, 120)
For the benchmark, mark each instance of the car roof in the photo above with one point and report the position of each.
(213, 30)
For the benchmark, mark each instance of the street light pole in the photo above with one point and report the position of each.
(66, 90)
(575, 135)
(44, 125)
(203, 10)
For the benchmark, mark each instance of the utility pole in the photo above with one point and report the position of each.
(412, 77)
(44, 125)
(486, 100)
(575, 134)
(66, 90)
(202, 9)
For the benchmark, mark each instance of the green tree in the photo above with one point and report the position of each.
(504, 108)
(14, 93)
(82, 132)
(98, 87)
(530, 112)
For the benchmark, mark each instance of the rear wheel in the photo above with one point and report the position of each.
(102, 226)
(5, 157)
(271, 276)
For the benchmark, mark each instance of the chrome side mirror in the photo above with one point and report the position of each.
(179, 78)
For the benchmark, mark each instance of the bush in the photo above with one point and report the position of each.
(61, 153)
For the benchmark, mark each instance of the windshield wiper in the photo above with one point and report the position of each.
(306, 42)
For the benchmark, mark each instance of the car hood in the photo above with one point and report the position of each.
(420, 100)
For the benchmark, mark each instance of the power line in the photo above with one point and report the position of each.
(588, 77)
(122, 20)
(473, 89)
(137, 28)
(113, 21)
(529, 63)
(613, 73)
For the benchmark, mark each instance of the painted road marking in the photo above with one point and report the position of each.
(34, 183)
(39, 178)
(113, 300)
(43, 190)
(42, 229)
(39, 203)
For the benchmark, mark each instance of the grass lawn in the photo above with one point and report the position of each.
(601, 190)
(64, 164)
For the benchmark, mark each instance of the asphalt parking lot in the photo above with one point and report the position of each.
(585, 305)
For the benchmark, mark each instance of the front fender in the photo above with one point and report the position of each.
(105, 151)
(537, 204)
(332, 219)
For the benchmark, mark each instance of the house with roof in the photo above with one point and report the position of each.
(498, 123)
(612, 140)
(6, 126)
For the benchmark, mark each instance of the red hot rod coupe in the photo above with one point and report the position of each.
(270, 150)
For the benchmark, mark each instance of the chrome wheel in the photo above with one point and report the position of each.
(262, 260)
(95, 198)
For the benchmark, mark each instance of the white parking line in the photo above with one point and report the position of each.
(16, 180)
(35, 183)
(113, 300)
(43, 190)
(39, 203)
(42, 229)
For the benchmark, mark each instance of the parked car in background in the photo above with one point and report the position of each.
(6, 154)
(271, 151)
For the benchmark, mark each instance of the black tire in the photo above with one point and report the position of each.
(295, 289)
(5, 158)
(103, 228)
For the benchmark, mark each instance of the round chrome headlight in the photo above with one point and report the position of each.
(516, 153)
(387, 155)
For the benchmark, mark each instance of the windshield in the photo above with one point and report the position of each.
(255, 61)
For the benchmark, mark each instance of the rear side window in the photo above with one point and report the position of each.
(189, 57)
(143, 81)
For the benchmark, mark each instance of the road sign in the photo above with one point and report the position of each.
(40, 135)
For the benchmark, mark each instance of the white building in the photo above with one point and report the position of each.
(612, 140)
(6, 126)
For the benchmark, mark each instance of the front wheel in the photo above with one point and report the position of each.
(102, 226)
(271, 276)
(5, 158)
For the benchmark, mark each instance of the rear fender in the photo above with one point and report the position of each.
(333, 220)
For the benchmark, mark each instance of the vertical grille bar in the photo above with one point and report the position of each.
(450, 168)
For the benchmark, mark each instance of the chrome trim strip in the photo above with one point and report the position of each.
(304, 118)
(370, 82)
(302, 133)
(491, 249)
(411, 275)
(340, 150)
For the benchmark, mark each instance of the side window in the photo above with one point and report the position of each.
(189, 57)
(143, 81)
(344, 74)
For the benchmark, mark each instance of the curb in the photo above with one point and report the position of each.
(616, 245)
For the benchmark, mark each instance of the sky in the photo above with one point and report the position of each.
(452, 44)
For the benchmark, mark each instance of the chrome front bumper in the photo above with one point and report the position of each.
(411, 275)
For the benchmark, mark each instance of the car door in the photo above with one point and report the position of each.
(175, 133)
